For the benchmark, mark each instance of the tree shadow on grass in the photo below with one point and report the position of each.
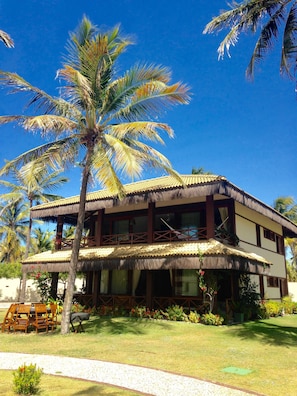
(268, 333)
(122, 325)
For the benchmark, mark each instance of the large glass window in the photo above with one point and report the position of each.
(186, 283)
(104, 282)
(119, 282)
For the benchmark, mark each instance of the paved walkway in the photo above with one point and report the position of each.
(145, 380)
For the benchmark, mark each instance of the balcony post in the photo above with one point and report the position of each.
(210, 220)
(59, 232)
(98, 237)
(150, 222)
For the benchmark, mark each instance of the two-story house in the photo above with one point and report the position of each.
(146, 248)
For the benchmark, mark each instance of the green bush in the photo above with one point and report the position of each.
(289, 306)
(10, 271)
(176, 313)
(194, 317)
(26, 380)
(211, 319)
(272, 308)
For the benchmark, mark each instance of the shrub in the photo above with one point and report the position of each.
(289, 306)
(176, 313)
(211, 319)
(194, 317)
(272, 308)
(26, 380)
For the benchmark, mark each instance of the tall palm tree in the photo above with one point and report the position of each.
(43, 240)
(34, 183)
(13, 230)
(7, 40)
(274, 18)
(287, 207)
(101, 118)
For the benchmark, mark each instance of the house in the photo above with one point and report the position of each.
(147, 248)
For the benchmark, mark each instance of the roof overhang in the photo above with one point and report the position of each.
(210, 254)
(164, 188)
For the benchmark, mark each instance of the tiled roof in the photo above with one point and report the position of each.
(161, 250)
(156, 184)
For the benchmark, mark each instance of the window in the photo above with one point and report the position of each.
(186, 283)
(119, 282)
(268, 234)
(272, 281)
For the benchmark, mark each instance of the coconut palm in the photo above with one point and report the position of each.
(287, 207)
(13, 230)
(7, 40)
(33, 183)
(102, 120)
(273, 19)
(42, 240)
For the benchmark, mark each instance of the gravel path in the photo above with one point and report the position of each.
(145, 380)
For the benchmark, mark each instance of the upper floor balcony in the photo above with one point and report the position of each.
(186, 234)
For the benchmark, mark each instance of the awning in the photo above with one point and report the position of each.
(210, 254)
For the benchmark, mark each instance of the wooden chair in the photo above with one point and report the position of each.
(9, 318)
(53, 316)
(22, 318)
(41, 317)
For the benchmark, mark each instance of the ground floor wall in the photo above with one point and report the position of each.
(10, 290)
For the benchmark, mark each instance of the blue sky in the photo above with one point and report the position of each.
(243, 130)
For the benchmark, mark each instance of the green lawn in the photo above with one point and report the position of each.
(268, 348)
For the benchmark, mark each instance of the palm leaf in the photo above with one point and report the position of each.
(7, 40)
(289, 46)
(266, 39)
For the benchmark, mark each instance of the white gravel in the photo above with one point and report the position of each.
(145, 380)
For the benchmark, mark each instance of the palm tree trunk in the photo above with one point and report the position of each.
(24, 275)
(65, 322)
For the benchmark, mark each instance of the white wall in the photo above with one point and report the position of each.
(292, 286)
(9, 289)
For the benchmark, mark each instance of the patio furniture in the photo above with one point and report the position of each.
(41, 317)
(22, 318)
(78, 317)
(52, 317)
(9, 318)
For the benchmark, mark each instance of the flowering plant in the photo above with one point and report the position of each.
(26, 380)
(209, 287)
(42, 281)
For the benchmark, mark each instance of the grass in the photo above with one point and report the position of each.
(268, 348)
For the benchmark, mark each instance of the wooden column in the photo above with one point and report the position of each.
(96, 284)
(59, 233)
(150, 222)
(210, 220)
(98, 236)
(149, 289)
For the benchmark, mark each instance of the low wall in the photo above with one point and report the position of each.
(9, 290)
(292, 286)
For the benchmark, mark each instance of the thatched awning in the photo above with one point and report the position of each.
(177, 255)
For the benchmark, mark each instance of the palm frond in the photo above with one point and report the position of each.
(7, 40)
(289, 45)
(147, 130)
(265, 41)
(48, 124)
(153, 97)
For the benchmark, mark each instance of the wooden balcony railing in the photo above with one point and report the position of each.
(185, 234)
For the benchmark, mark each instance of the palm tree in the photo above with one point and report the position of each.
(13, 230)
(274, 18)
(287, 207)
(102, 119)
(43, 240)
(33, 182)
(7, 40)
(200, 171)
